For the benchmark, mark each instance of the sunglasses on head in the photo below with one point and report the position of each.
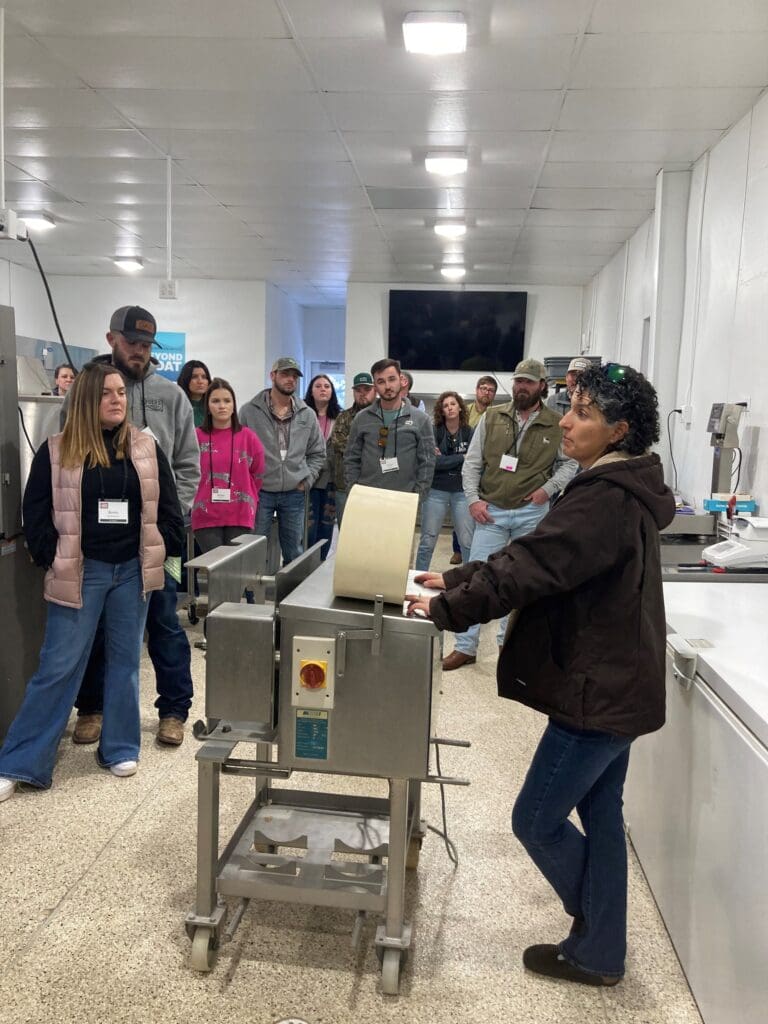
(615, 372)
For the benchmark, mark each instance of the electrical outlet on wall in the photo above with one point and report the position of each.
(167, 289)
(687, 415)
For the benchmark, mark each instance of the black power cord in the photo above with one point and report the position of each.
(69, 358)
(669, 437)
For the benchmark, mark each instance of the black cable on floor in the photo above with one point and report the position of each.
(450, 847)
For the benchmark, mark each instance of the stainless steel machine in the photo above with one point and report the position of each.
(317, 684)
(22, 611)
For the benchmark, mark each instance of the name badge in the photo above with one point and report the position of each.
(221, 494)
(508, 463)
(283, 453)
(113, 511)
(150, 431)
(389, 465)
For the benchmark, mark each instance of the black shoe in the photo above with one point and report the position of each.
(547, 960)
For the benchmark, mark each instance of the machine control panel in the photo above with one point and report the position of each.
(313, 671)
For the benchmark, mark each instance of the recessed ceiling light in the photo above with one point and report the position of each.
(131, 264)
(434, 32)
(453, 273)
(37, 220)
(446, 163)
(450, 229)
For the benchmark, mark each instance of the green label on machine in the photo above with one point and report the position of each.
(312, 734)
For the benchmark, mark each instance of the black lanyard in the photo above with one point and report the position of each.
(125, 480)
(231, 456)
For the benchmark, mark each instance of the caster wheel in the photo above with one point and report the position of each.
(412, 855)
(390, 972)
(192, 615)
(203, 955)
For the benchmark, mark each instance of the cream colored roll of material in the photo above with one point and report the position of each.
(374, 550)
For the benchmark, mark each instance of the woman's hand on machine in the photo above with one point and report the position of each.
(432, 580)
(418, 605)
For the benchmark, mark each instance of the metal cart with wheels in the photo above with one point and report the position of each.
(321, 685)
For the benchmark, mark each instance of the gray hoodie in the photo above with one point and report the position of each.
(305, 458)
(161, 405)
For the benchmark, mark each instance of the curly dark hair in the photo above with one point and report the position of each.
(629, 397)
(437, 412)
(334, 408)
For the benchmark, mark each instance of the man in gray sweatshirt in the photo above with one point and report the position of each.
(159, 407)
(294, 455)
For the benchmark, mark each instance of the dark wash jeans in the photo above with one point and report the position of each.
(169, 653)
(584, 769)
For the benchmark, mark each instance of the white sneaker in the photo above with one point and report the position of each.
(124, 768)
(7, 786)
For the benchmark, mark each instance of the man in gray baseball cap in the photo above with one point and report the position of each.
(364, 393)
(513, 467)
(560, 401)
(294, 454)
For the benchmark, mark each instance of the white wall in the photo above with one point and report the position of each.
(224, 321)
(323, 331)
(552, 328)
(283, 330)
(723, 355)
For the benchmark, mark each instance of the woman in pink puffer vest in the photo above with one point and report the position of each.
(100, 515)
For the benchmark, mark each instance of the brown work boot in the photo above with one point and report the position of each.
(457, 659)
(456, 558)
(171, 732)
(87, 729)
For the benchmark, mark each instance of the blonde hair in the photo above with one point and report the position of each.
(82, 438)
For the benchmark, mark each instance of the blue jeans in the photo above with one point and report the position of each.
(585, 769)
(289, 506)
(169, 652)
(488, 538)
(322, 512)
(114, 591)
(433, 510)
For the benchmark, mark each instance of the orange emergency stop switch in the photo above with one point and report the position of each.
(313, 675)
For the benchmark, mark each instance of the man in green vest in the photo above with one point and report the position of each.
(513, 467)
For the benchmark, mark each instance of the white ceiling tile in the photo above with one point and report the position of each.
(654, 109)
(679, 16)
(448, 112)
(28, 64)
(415, 174)
(77, 142)
(604, 175)
(631, 146)
(575, 218)
(226, 65)
(199, 18)
(354, 65)
(101, 170)
(59, 108)
(483, 148)
(249, 145)
(200, 110)
(594, 199)
(339, 198)
(653, 60)
(283, 173)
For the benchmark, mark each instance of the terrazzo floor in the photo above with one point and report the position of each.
(98, 874)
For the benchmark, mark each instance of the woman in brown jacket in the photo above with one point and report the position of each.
(100, 515)
(587, 650)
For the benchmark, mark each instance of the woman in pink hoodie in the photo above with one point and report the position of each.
(231, 471)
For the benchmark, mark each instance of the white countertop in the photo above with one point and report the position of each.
(735, 620)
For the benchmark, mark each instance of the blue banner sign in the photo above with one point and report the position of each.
(172, 355)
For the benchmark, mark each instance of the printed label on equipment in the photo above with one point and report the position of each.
(312, 734)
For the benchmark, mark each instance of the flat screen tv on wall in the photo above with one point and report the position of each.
(456, 330)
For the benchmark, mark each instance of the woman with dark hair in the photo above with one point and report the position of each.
(321, 397)
(587, 650)
(63, 379)
(452, 436)
(101, 515)
(194, 380)
(231, 471)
